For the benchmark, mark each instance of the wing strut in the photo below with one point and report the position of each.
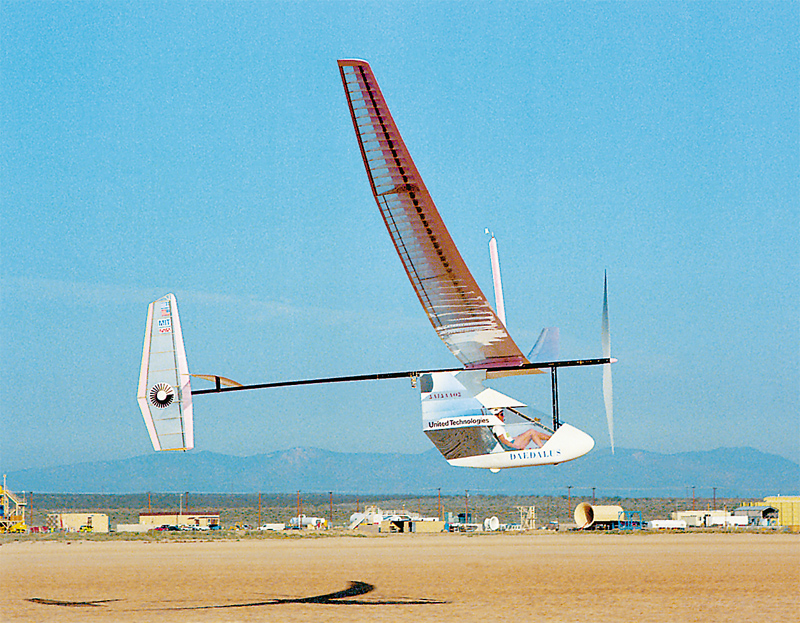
(554, 384)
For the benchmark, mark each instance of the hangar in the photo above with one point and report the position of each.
(758, 515)
(788, 509)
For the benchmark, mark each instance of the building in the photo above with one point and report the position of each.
(788, 509)
(700, 518)
(758, 515)
(375, 520)
(728, 521)
(427, 524)
(781, 510)
(78, 522)
(151, 521)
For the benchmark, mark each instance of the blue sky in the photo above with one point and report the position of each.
(206, 149)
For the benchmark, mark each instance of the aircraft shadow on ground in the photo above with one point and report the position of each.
(338, 598)
(72, 604)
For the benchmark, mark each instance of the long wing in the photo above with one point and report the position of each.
(455, 305)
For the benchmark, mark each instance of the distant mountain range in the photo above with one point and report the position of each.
(735, 472)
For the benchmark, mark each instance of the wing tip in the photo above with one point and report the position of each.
(345, 62)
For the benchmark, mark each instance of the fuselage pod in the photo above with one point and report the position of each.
(467, 423)
(566, 444)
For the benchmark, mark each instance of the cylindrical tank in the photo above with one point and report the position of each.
(587, 515)
(491, 524)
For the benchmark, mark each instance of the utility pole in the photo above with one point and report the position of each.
(330, 510)
(569, 499)
(466, 506)
(592, 495)
(299, 513)
(693, 499)
(440, 503)
(259, 509)
(715, 497)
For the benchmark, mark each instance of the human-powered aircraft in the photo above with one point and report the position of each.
(471, 425)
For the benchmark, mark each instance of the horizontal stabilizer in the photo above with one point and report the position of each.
(165, 392)
(218, 380)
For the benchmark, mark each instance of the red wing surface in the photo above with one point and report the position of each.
(455, 305)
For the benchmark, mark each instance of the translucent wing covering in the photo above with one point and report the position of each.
(455, 305)
(165, 393)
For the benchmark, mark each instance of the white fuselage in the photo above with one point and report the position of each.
(566, 444)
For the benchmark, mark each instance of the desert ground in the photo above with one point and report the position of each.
(543, 576)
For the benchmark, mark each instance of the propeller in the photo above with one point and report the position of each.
(161, 395)
(608, 394)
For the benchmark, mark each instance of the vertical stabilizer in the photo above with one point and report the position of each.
(546, 347)
(165, 392)
(499, 304)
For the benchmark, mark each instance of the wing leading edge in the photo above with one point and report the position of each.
(455, 305)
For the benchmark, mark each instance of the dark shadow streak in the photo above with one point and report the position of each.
(334, 599)
(74, 604)
(338, 598)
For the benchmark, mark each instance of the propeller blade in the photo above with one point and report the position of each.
(608, 394)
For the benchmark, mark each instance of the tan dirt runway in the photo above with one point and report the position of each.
(500, 577)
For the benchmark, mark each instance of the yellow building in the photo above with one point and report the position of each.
(428, 525)
(788, 509)
(78, 522)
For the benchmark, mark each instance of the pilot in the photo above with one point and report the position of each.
(521, 441)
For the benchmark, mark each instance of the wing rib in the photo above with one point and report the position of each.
(455, 305)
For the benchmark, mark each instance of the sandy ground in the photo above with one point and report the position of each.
(536, 577)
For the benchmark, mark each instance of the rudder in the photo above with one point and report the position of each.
(165, 392)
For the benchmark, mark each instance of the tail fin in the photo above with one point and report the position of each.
(165, 392)
(546, 347)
